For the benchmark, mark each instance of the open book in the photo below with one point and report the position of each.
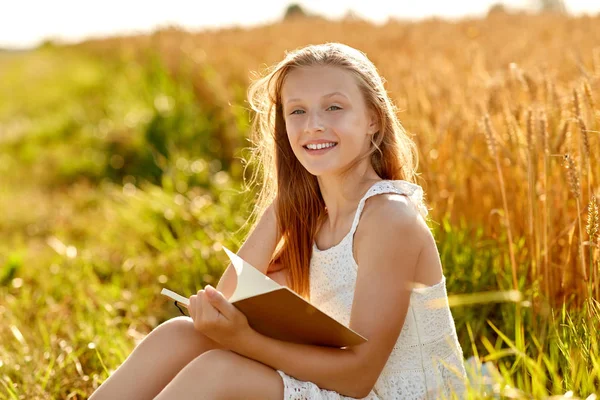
(280, 313)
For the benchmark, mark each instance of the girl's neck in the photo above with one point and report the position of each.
(342, 197)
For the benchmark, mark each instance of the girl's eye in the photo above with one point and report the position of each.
(298, 112)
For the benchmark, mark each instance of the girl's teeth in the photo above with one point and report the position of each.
(320, 146)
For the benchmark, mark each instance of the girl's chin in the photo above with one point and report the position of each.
(323, 167)
(316, 171)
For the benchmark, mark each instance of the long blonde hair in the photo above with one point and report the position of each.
(285, 182)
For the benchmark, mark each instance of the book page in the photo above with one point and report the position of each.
(250, 281)
(176, 297)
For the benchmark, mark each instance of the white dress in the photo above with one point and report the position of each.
(427, 360)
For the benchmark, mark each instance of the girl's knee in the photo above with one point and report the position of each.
(174, 330)
(177, 325)
(180, 331)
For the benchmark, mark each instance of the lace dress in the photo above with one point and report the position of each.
(426, 361)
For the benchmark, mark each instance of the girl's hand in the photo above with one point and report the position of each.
(217, 318)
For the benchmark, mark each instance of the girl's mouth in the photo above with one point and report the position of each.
(317, 152)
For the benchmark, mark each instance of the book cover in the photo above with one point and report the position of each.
(278, 312)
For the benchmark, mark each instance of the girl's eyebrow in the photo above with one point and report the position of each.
(324, 96)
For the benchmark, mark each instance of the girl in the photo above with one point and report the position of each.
(343, 224)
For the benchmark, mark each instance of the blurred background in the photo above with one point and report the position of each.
(123, 139)
(29, 23)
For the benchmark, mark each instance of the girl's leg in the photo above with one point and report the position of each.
(225, 375)
(155, 361)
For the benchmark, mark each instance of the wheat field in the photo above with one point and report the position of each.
(121, 171)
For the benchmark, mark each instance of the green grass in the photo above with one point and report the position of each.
(116, 180)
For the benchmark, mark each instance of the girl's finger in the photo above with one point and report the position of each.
(210, 312)
(202, 302)
(200, 305)
(192, 305)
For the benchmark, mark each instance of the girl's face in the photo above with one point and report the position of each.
(323, 104)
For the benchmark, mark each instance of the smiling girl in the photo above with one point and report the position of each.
(343, 225)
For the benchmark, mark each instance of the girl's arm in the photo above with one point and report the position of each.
(329, 368)
(392, 240)
(257, 250)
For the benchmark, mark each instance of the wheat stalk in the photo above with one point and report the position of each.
(488, 131)
(572, 176)
(546, 214)
(531, 190)
(592, 221)
(576, 103)
(596, 60)
(587, 90)
(562, 136)
(592, 231)
(512, 134)
(586, 146)
(575, 189)
(584, 142)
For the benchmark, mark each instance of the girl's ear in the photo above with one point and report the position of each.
(373, 122)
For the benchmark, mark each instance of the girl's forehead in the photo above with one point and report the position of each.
(318, 80)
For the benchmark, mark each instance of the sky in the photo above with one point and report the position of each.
(26, 23)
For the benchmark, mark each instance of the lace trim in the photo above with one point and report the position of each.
(414, 192)
(408, 357)
(294, 389)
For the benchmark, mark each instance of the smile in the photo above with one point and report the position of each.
(319, 149)
(319, 146)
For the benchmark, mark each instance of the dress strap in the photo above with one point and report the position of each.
(412, 190)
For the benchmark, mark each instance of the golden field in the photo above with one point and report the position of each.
(121, 172)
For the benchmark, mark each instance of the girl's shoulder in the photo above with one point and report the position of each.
(387, 217)
(393, 206)
(412, 191)
(391, 224)
(389, 209)
(395, 195)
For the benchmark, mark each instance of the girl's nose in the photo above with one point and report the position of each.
(314, 122)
